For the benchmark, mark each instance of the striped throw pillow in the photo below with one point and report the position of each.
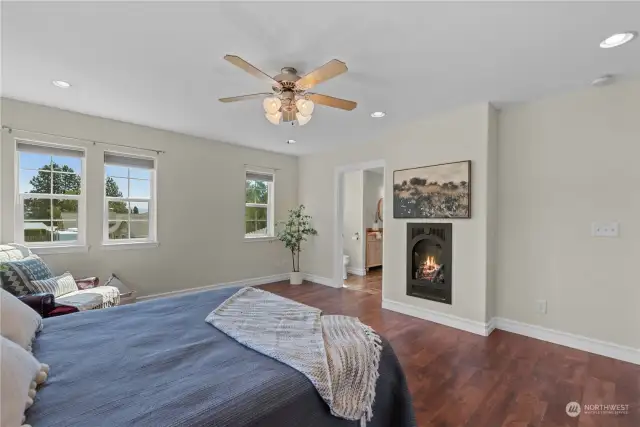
(57, 286)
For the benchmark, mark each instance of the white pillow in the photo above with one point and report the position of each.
(20, 373)
(58, 286)
(18, 321)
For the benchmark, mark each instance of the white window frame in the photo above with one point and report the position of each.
(79, 245)
(269, 205)
(145, 242)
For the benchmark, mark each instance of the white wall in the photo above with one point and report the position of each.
(373, 190)
(200, 204)
(565, 162)
(459, 135)
(352, 220)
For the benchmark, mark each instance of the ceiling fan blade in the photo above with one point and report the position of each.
(288, 116)
(330, 101)
(328, 71)
(241, 63)
(245, 97)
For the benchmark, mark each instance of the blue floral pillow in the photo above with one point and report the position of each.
(17, 275)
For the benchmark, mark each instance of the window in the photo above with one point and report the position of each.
(50, 208)
(129, 199)
(258, 211)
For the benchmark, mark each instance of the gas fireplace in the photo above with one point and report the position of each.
(429, 261)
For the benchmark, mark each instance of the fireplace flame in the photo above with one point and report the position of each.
(429, 269)
(430, 263)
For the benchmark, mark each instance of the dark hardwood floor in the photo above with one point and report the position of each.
(461, 379)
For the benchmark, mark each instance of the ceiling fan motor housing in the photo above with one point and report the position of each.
(287, 78)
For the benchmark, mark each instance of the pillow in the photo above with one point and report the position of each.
(18, 321)
(57, 286)
(20, 374)
(20, 273)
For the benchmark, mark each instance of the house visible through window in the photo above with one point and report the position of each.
(129, 198)
(258, 212)
(50, 208)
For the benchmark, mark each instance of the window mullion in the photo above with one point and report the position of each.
(51, 215)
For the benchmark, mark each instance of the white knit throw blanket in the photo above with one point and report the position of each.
(338, 354)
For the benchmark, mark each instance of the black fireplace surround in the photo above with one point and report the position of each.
(429, 261)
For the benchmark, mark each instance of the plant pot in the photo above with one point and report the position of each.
(375, 226)
(295, 278)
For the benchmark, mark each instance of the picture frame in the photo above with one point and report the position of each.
(436, 191)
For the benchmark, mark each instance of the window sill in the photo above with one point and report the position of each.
(129, 245)
(62, 249)
(260, 239)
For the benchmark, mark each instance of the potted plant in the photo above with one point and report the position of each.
(295, 231)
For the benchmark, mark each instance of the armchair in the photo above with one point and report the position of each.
(20, 263)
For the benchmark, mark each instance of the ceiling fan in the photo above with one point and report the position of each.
(289, 100)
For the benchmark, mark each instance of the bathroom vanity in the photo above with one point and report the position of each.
(373, 248)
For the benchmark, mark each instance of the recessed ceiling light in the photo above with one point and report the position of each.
(378, 114)
(291, 141)
(618, 39)
(61, 84)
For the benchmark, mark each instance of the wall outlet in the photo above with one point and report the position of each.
(604, 229)
(541, 306)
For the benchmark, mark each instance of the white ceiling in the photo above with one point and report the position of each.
(160, 64)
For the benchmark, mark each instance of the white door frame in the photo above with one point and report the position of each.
(338, 214)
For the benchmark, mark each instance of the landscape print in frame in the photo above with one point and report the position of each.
(439, 191)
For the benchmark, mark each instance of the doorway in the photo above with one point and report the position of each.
(359, 237)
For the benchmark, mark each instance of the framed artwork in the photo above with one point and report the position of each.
(439, 191)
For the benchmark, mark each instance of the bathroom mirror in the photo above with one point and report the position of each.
(379, 211)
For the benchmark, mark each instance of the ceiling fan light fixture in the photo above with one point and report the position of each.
(305, 106)
(302, 120)
(61, 84)
(618, 39)
(271, 105)
(274, 118)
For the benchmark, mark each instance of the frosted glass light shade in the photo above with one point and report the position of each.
(271, 105)
(302, 120)
(305, 107)
(274, 118)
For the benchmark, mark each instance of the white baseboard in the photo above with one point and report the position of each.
(473, 326)
(591, 345)
(321, 280)
(490, 326)
(247, 282)
(357, 271)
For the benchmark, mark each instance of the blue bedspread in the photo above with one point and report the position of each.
(158, 363)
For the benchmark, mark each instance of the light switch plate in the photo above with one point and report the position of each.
(604, 229)
(541, 306)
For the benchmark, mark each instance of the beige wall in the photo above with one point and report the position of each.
(200, 204)
(352, 220)
(493, 214)
(565, 162)
(459, 135)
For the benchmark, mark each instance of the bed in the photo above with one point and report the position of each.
(158, 363)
